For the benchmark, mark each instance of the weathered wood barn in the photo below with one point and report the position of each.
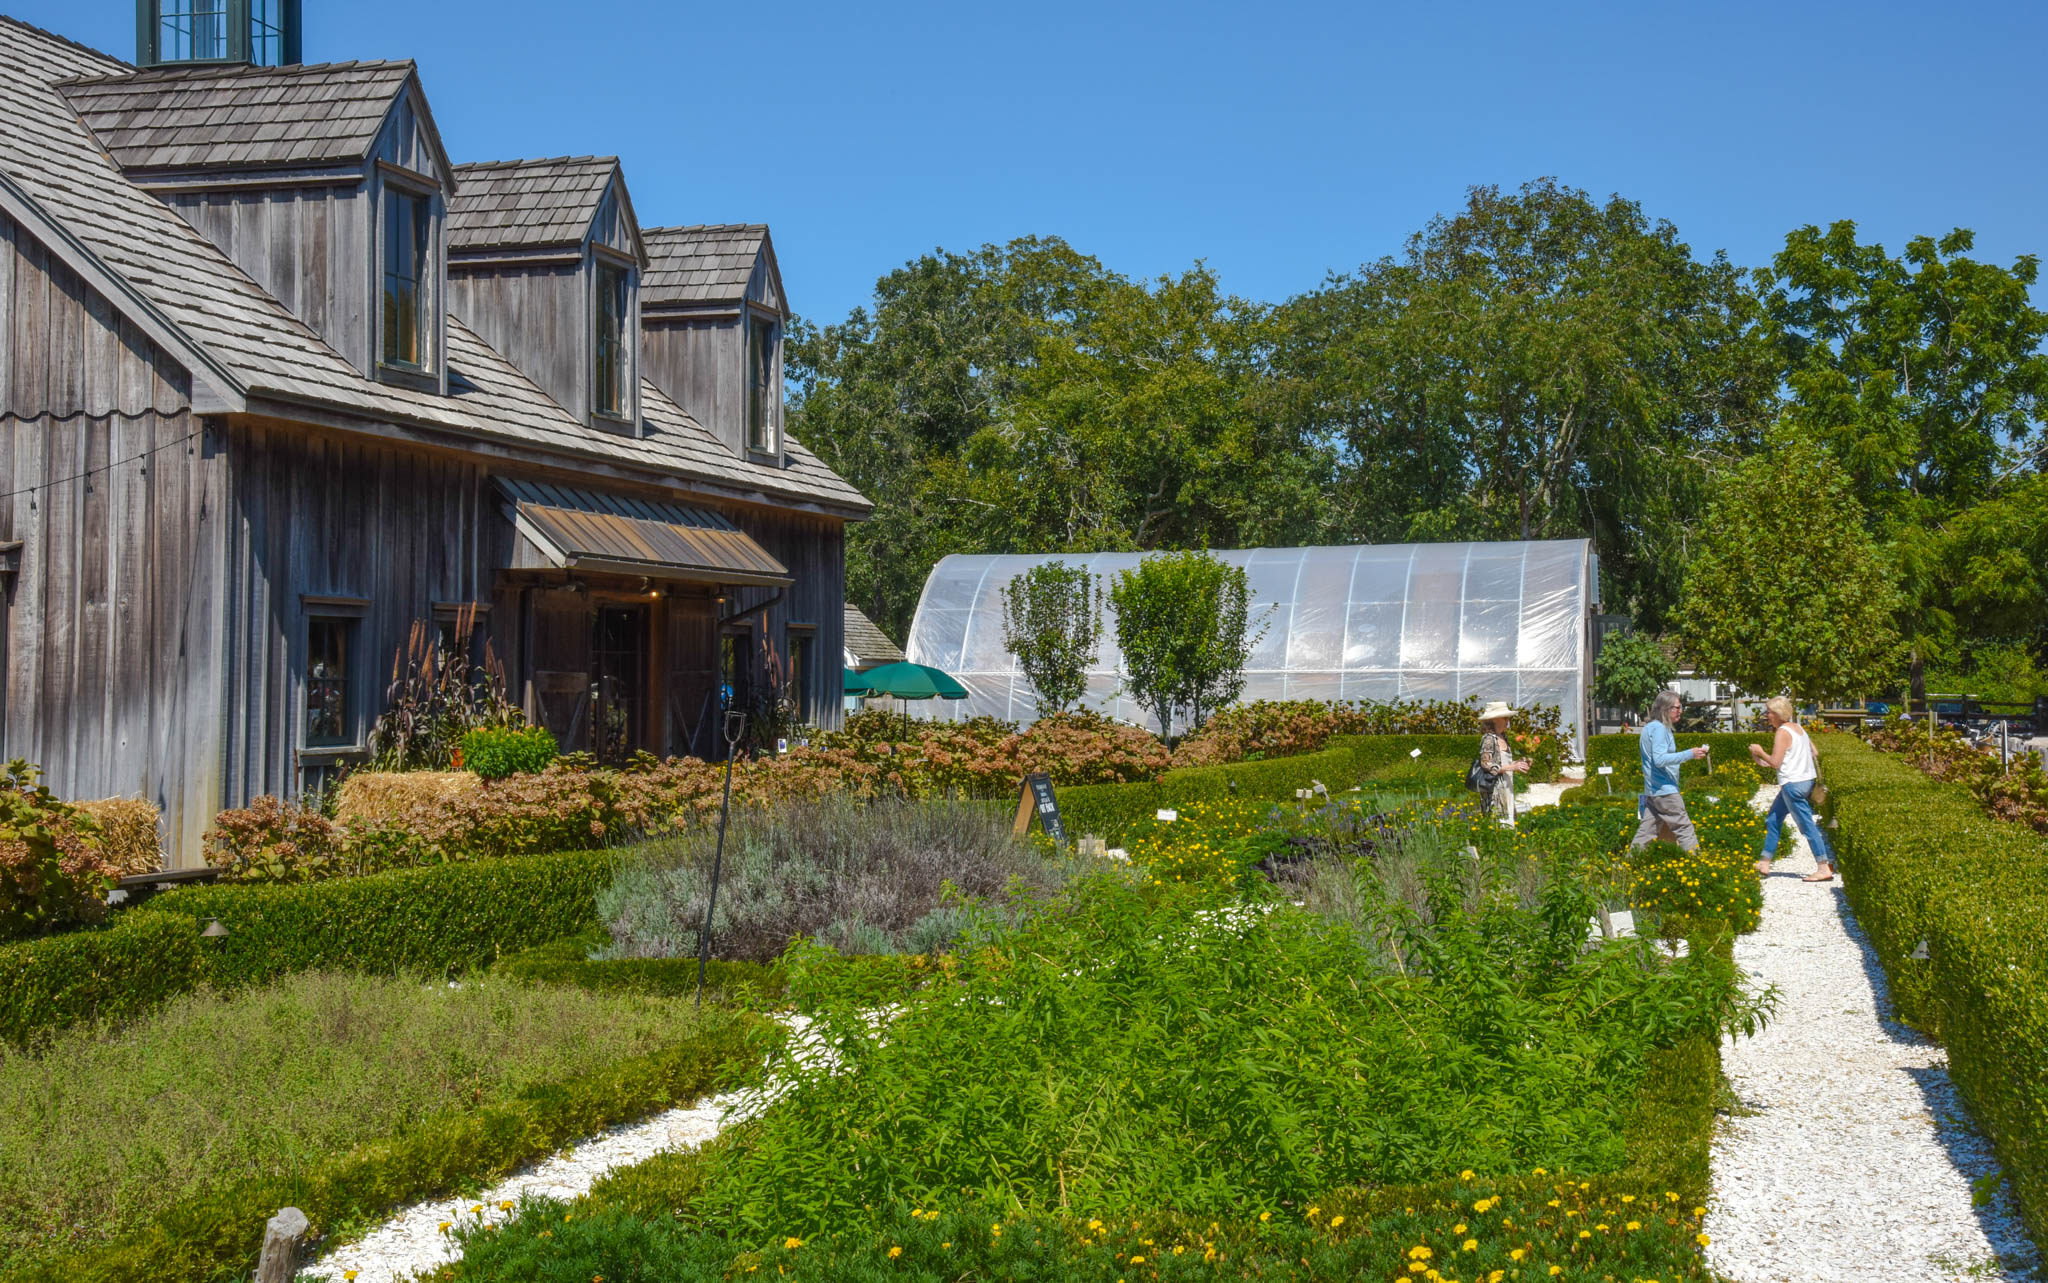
(279, 381)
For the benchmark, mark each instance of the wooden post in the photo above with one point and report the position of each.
(282, 1235)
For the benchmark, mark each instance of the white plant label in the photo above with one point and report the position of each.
(1607, 770)
(1415, 752)
(1167, 817)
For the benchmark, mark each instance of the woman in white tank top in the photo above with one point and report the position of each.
(1792, 756)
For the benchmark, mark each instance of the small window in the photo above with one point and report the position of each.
(408, 264)
(192, 31)
(329, 718)
(735, 685)
(761, 386)
(613, 326)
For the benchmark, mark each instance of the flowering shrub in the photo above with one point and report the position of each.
(2019, 795)
(1285, 728)
(271, 840)
(52, 871)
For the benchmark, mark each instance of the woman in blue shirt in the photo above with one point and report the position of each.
(1662, 806)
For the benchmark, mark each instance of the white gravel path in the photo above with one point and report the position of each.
(416, 1240)
(1852, 1158)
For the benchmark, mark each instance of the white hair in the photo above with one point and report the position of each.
(1666, 701)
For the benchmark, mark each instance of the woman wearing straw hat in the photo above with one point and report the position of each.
(1497, 763)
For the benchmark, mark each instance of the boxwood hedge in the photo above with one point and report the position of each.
(441, 920)
(1922, 862)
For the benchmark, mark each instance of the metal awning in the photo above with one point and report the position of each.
(572, 529)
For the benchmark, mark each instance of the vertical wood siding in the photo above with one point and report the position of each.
(538, 318)
(111, 645)
(310, 247)
(702, 365)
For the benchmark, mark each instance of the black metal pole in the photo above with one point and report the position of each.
(735, 728)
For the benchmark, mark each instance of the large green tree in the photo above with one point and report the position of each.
(1025, 399)
(1789, 592)
(1922, 373)
(1538, 365)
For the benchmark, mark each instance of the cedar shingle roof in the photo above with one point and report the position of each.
(869, 644)
(709, 264)
(526, 204)
(239, 117)
(251, 345)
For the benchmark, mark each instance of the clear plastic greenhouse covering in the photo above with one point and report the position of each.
(1504, 621)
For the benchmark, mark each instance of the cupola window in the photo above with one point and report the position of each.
(614, 326)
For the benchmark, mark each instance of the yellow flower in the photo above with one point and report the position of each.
(1556, 1270)
(1699, 1211)
(792, 1243)
(1670, 1197)
(1137, 1260)
(1628, 1198)
(1416, 1267)
(1471, 1244)
(895, 1252)
(1314, 1211)
(1518, 1254)
(348, 1276)
(1585, 1233)
(1541, 1172)
(1459, 1228)
(505, 1205)
(1264, 1217)
(445, 1225)
(1465, 1175)
(944, 1246)
(1419, 1253)
(1095, 1225)
(1635, 1225)
(1702, 1239)
(1335, 1221)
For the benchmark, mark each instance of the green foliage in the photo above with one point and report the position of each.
(1997, 672)
(438, 693)
(214, 1235)
(572, 961)
(1632, 669)
(1164, 1073)
(1181, 625)
(439, 920)
(51, 874)
(1536, 365)
(269, 1083)
(1108, 810)
(112, 973)
(1052, 627)
(495, 752)
(1351, 1234)
(1789, 593)
(1920, 372)
(1022, 397)
(1922, 861)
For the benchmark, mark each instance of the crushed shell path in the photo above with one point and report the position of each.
(1850, 1157)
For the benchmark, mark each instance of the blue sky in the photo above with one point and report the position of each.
(1276, 140)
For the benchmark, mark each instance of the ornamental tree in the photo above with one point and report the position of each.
(1183, 626)
(1790, 593)
(1632, 668)
(1052, 627)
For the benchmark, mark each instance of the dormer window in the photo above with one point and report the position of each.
(408, 278)
(761, 385)
(614, 330)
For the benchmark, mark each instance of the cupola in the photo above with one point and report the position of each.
(259, 33)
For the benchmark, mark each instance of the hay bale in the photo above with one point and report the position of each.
(128, 834)
(372, 797)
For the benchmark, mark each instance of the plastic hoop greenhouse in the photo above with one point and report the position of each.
(1502, 621)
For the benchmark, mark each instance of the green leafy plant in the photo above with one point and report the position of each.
(52, 873)
(1789, 592)
(437, 694)
(1184, 629)
(495, 752)
(1052, 626)
(1631, 669)
(112, 973)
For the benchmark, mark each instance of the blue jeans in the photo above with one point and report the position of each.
(1793, 799)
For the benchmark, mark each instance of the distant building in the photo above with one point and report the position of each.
(867, 646)
(281, 382)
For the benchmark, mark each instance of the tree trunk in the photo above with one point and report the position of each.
(1916, 701)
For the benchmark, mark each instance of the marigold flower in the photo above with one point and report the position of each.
(1517, 1254)
(1702, 1239)
(1459, 1228)
(1471, 1244)
(895, 1252)
(792, 1243)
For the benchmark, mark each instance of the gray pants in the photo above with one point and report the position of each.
(1664, 811)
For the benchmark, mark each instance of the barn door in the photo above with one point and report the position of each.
(692, 692)
(618, 661)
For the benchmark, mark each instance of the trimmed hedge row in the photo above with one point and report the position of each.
(111, 973)
(217, 1236)
(1922, 861)
(567, 962)
(443, 919)
(1106, 810)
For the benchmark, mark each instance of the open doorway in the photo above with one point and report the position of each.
(618, 686)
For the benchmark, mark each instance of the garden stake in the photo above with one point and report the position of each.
(735, 727)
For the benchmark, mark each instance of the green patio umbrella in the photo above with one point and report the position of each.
(909, 681)
(905, 681)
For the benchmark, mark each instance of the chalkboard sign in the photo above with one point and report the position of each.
(1035, 797)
